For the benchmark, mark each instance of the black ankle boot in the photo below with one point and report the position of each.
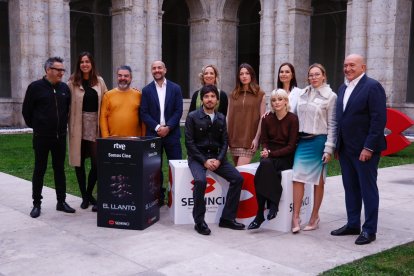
(92, 200)
(84, 204)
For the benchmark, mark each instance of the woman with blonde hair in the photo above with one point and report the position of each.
(279, 133)
(209, 76)
(317, 138)
(246, 108)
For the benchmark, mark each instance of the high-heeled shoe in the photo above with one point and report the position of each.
(313, 226)
(255, 224)
(295, 229)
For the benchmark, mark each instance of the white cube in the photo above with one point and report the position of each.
(181, 194)
(181, 197)
(283, 220)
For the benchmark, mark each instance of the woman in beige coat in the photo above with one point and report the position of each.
(87, 89)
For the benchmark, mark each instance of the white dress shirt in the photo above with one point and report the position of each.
(161, 92)
(293, 99)
(350, 85)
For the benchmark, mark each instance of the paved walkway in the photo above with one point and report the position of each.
(70, 244)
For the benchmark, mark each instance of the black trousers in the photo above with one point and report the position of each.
(88, 149)
(267, 182)
(228, 172)
(41, 146)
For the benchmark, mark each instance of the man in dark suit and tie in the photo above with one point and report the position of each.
(161, 110)
(361, 118)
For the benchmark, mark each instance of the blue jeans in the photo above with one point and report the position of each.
(229, 173)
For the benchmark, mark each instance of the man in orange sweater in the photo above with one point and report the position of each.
(120, 108)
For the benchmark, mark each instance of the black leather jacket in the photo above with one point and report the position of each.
(205, 139)
(46, 108)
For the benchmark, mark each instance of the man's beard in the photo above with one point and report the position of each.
(209, 106)
(158, 76)
(123, 85)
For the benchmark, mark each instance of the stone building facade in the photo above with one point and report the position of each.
(188, 34)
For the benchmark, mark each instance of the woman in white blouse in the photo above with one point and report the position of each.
(286, 79)
(317, 137)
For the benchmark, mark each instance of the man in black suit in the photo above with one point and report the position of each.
(207, 141)
(161, 110)
(361, 119)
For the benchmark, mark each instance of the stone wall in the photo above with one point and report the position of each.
(377, 29)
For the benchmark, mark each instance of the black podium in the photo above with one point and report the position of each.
(129, 182)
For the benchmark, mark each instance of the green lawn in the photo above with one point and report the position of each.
(17, 159)
(395, 261)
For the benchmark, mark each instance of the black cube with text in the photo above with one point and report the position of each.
(129, 182)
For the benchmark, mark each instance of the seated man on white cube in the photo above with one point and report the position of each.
(206, 142)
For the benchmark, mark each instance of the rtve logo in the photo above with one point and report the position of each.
(119, 146)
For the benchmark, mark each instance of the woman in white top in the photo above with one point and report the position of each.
(286, 79)
(317, 137)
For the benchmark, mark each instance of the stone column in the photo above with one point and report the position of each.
(356, 29)
(227, 19)
(401, 43)
(388, 44)
(206, 44)
(37, 44)
(380, 63)
(58, 30)
(200, 39)
(28, 37)
(128, 38)
(153, 38)
(299, 34)
(228, 58)
(266, 46)
(281, 39)
(29, 41)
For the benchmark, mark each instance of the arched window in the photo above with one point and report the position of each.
(90, 28)
(328, 32)
(5, 91)
(248, 34)
(176, 42)
(84, 36)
